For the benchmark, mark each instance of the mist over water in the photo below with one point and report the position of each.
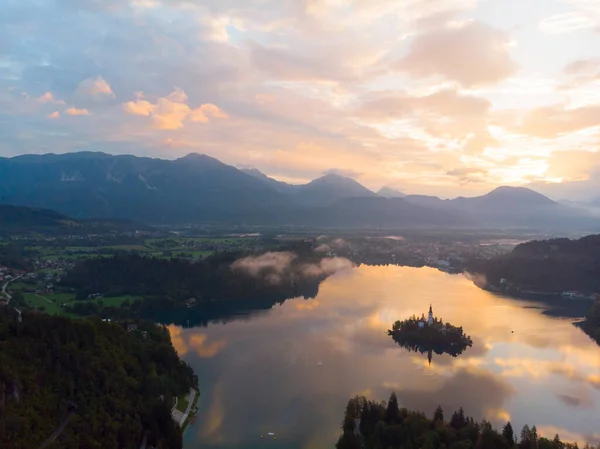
(291, 370)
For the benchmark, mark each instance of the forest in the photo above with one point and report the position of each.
(98, 385)
(551, 266)
(196, 286)
(591, 324)
(380, 425)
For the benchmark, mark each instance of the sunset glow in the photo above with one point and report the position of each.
(444, 97)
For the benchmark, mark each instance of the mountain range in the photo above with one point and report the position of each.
(200, 189)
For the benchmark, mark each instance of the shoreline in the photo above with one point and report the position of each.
(193, 410)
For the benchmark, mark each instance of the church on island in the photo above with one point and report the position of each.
(429, 321)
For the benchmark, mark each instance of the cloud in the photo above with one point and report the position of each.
(403, 93)
(445, 114)
(48, 97)
(552, 121)
(576, 401)
(75, 111)
(583, 15)
(582, 66)
(327, 267)
(170, 113)
(205, 349)
(277, 262)
(95, 88)
(467, 175)
(54, 115)
(446, 102)
(473, 55)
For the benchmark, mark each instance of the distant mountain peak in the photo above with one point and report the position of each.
(519, 193)
(196, 156)
(388, 192)
(335, 179)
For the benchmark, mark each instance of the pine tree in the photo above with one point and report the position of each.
(557, 443)
(525, 437)
(534, 437)
(508, 434)
(458, 419)
(438, 415)
(392, 412)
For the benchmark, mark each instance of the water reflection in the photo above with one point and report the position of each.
(292, 369)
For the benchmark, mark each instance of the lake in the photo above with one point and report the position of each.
(291, 369)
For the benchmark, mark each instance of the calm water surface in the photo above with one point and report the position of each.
(262, 374)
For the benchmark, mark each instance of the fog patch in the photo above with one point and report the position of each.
(275, 262)
(479, 279)
(327, 267)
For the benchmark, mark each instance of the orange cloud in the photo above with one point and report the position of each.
(552, 121)
(473, 55)
(48, 97)
(170, 113)
(447, 102)
(306, 305)
(75, 111)
(177, 339)
(445, 114)
(203, 348)
(97, 89)
(54, 115)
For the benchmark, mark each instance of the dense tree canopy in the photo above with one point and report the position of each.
(170, 283)
(591, 325)
(103, 382)
(555, 265)
(375, 425)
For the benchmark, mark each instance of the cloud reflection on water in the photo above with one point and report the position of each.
(267, 376)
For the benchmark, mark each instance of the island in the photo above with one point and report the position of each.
(369, 424)
(430, 335)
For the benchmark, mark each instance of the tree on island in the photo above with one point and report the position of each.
(430, 335)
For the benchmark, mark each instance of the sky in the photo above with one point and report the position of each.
(444, 97)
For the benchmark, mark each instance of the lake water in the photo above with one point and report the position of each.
(292, 369)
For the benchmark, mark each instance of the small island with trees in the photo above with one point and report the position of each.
(430, 335)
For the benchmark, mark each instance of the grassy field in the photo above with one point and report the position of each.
(117, 300)
(182, 403)
(50, 306)
(51, 302)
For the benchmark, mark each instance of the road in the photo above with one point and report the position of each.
(180, 417)
(58, 431)
(5, 292)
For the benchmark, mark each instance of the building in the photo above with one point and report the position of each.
(429, 321)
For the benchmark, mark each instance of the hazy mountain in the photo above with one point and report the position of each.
(322, 191)
(378, 212)
(519, 206)
(196, 188)
(201, 189)
(427, 201)
(513, 207)
(277, 185)
(330, 188)
(388, 192)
